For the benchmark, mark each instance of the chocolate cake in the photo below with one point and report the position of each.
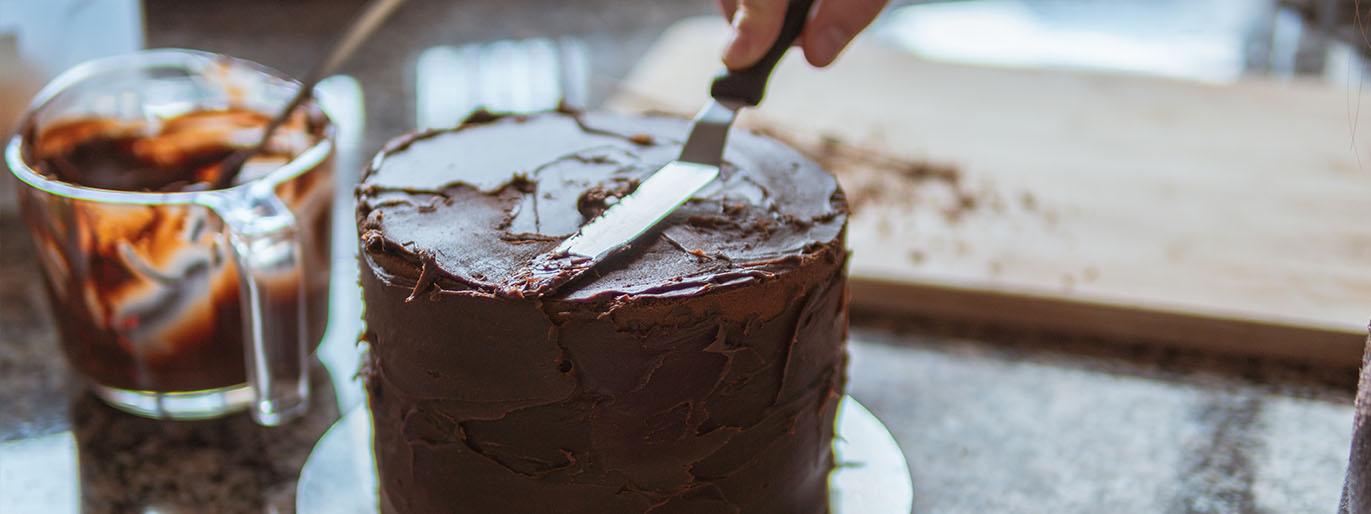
(698, 373)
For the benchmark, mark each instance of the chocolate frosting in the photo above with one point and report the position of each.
(697, 373)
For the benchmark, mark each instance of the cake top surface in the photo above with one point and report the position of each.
(463, 210)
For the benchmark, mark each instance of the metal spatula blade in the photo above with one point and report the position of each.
(661, 194)
(669, 187)
(664, 191)
(635, 214)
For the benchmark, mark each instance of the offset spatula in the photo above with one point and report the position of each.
(669, 187)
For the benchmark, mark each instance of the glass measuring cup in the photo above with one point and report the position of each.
(179, 303)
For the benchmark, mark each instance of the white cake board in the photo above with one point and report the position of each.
(872, 477)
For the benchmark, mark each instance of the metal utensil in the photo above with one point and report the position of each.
(366, 22)
(669, 187)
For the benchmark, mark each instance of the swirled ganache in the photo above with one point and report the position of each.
(698, 373)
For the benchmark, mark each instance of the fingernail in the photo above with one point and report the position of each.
(831, 41)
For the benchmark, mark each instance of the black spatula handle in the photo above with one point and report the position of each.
(747, 86)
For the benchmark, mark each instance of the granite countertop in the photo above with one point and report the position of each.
(989, 421)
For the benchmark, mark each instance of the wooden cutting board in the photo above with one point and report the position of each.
(1231, 218)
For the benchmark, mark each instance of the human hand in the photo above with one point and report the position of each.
(757, 23)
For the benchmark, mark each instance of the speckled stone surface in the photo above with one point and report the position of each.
(1023, 423)
(130, 464)
(989, 422)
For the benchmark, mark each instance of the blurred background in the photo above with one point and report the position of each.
(1108, 255)
(1215, 41)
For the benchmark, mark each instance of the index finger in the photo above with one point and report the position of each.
(834, 25)
(756, 25)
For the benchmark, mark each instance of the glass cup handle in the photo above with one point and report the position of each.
(266, 246)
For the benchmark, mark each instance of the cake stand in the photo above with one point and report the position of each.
(872, 477)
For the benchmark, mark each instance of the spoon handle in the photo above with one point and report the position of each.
(362, 27)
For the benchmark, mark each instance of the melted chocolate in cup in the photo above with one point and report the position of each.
(147, 297)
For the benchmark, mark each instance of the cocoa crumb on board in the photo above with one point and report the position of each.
(1090, 274)
(896, 189)
(883, 227)
(641, 139)
(995, 267)
(964, 204)
(922, 170)
(872, 177)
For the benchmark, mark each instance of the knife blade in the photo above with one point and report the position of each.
(669, 187)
